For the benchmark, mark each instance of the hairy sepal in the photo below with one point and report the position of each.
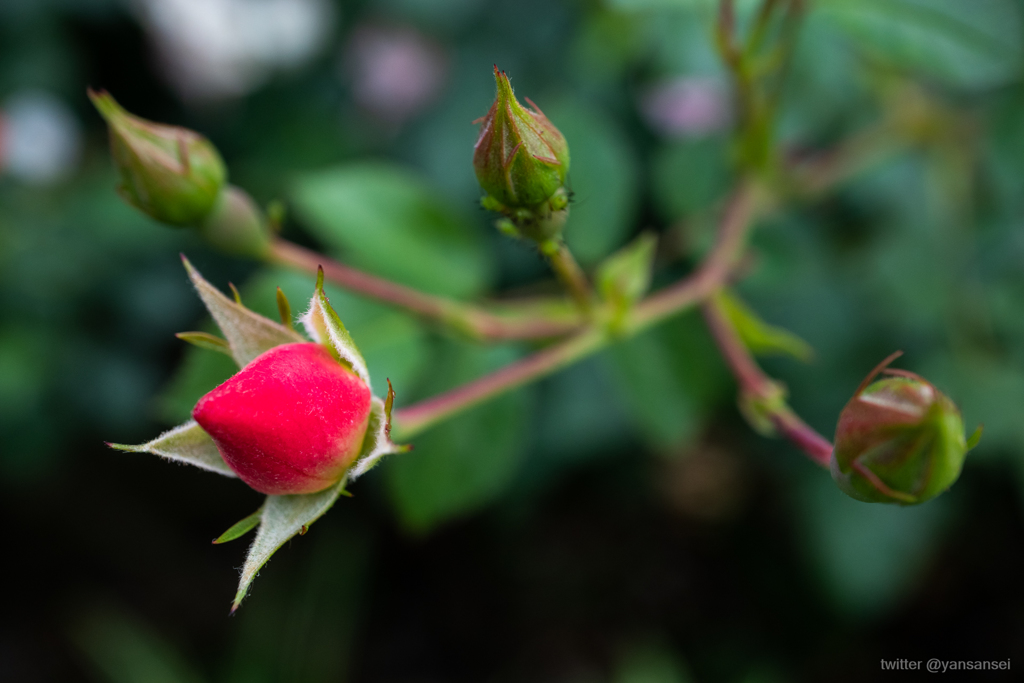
(325, 327)
(248, 334)
(283, 517)
(186, 443)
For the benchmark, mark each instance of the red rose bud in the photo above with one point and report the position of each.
(170, 173)
(899, 440)
(291, 421)
(521, 159)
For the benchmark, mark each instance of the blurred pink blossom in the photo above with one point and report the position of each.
(395, 71)
(689, 107)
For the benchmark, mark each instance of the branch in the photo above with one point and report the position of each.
(712, 274)
(526, 320)
(759, 391)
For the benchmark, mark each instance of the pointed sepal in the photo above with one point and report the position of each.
(248, 334)
(282, 517)
(377, 442)
(325, 327)
(186, 443)
(240, 528)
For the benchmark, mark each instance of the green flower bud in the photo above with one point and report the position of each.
(899, 440)
(521, 159)
(170, 173)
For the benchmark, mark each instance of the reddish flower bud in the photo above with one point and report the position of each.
(899, 440)
(521, 159)
(291, 421)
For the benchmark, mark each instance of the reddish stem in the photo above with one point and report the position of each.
(758, 385)
(526, 323)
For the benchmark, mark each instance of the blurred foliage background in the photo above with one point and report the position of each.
(617, 522)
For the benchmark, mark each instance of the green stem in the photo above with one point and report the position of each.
(524, 320)
(569, 273)
(712, 275)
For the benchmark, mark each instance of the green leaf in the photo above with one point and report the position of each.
(760, 337)
(625, 276)
(186, 443)
(968, 43)
(667, 390)
(463, 463)
(385, 219)
(690, 176)
(248, 334)
(325, 327)
(282, 518)
(240, 528)
(603, 179)
(123, 649)
(868, 556)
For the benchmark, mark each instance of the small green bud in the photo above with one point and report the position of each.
(899, 440)
(521, 159)
(170, 173)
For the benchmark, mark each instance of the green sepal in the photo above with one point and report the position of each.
(972, 441)
(248, 334)
(186, 443)
(284, 309)
(282, 517)
(205, 340)
(625, 276)
(325, 327)
(240, 528)
(761, 338)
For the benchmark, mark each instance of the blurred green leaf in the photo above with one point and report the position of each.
(867, 556)
(625, 276)
(603, 178)
(690, 176)
(463, 463)
(300, 626)
(671, 377)
(386, 219)
(123, 649)
(651, 663)
(758, 336)
(969, 43)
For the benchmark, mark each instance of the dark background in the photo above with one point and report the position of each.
(617, 522)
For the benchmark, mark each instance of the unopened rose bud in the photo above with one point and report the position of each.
(521, 160)
(291, 421)
(173, 174)
(899, 440)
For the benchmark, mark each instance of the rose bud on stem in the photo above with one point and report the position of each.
(291, 421)
(521, 161)
(899, 439)
(178, 177)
